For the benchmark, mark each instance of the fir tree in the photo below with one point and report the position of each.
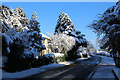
(64, 24)
(34, 24)
(35, 38)
(13, 19)
(19, 12)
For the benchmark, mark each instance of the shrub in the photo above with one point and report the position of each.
(85, 55)
(54, 58)
(16, 59)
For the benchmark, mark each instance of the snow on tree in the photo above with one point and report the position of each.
(108, 25)
(19, 12)
(61, 43)
(65, 26)
(16, 25)
(35, 38)
(7, 21)
(79, 38)
(21, 38)
(82, 52)
(6, 41)
(90, 46)
(13, 19)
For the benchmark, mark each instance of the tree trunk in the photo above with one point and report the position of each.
(119, 59)
(115, 58)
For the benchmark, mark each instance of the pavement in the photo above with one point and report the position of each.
(105, 70)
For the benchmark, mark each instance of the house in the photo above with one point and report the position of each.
(45, 42)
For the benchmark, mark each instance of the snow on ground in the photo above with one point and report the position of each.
(104, 68)
(107, 61)
(33, 71)
(103, 72)
(54, 55)
(21, 74)
(83, 58)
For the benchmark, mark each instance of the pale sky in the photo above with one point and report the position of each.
(59, 0)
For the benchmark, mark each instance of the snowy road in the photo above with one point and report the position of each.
(79, 70)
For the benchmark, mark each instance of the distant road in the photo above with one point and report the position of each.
(79, 70)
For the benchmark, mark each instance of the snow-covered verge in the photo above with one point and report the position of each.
(34, 71)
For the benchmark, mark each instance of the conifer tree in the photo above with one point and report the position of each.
(13, 19)
(19, 12)
(35, 38)
(65, 26)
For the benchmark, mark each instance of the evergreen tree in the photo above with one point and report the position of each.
(65, 26)
(21, 41)
(90, 46)
(21, 16)
(108, 25)
(35, 38)
(13, 19)
(19, 12)
(34, 24)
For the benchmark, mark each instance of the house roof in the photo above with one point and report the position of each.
(43, 35)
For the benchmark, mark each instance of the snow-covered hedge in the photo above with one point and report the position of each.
(55, 57)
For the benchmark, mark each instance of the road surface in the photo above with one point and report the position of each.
(79, 70)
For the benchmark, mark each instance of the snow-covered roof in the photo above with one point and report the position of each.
(43, 35)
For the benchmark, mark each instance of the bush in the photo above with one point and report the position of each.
(58, 59)
(36, 63)
(54, 58)
(80, 55)
(85, 55)
(42, 60)
(16, 59)
(4, 46)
